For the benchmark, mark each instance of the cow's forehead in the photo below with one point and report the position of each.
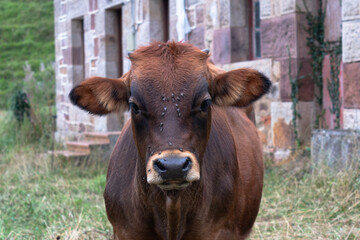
(168, 68)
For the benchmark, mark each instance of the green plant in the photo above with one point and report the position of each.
(39, 108)
(315, 41)
(20, 106)
(294, 83)
(333, 84)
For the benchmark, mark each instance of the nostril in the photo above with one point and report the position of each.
(187, 164)
(159, 166)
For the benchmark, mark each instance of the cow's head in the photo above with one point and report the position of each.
(170, 89)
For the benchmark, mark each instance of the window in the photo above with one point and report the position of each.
(78, 51)
(256, 27)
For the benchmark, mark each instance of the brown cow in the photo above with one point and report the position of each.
(189, 163)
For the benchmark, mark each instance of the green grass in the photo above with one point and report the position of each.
(37, 202)
(26, 34)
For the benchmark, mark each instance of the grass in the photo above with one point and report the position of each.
(300, 203)
(37, 202)
(26, 35)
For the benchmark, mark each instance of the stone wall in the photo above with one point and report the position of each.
(85, 35)
(351, 62)
(87, 44)
(282, 30)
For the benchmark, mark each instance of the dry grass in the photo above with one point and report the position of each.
(37, 202)
(307, 202)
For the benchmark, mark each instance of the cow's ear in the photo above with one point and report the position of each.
(101, 96)
(239, 87)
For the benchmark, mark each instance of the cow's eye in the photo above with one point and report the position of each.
(205, 105)
(134, 108)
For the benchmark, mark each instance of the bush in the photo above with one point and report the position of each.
(36, 101)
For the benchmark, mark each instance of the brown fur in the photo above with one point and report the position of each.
(168, 87)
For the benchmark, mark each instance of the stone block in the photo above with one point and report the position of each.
(109, 48)
(351, 83)
(196, 37)
(274, 92)
(100, 124)
(306, 89)
(112, 4)
(93, 21)
(282, 134)
(156, 10)
(77, 75)
(262, 65)
(143, 34)
(263, 120)
(288, 6)
(329, 117)
(222, 46)
(112, 69)
(93, 5)
(305, 5)
(157, 31)
(352, 119)
(172, 29)
(191, 17)
(56, 9)
(96, 47)
(77, 9)
(276, 35)
(276, 8)
(191, 2)
(230, 45)
(239, 44)
(302, 51)
(172, 7)
(200, 14)
(63, 9)
(306, 110)
(265, 9)
(281, 116)
(67, 55)
(350, 40)
(282, 127)
(115, 122)
(224, 13)
(350, 9)
(333, 21)
(239, 10)
(77, 56)
(338, 149)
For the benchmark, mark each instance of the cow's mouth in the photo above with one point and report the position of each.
(171, 185)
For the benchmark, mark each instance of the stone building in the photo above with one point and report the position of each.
(93, 37)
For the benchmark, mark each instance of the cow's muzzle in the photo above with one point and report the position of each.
(172, 169)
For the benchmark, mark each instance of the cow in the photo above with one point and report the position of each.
(188, 164)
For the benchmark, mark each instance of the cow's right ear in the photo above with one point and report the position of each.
(101, 96)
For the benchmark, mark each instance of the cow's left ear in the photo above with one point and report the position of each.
(239, 87)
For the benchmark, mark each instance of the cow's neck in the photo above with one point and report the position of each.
(173, 216)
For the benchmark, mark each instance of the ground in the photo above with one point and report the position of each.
(65, 202)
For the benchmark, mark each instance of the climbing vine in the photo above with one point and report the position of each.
(333, 84)
(294, 83)
(315, 42)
